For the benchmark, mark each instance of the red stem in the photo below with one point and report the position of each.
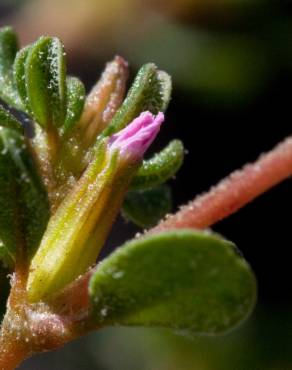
(12, 353)
(234, 192)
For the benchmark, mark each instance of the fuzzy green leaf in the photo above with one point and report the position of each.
(45, 81)
(24, 210)
(185, 280)
(146, 207)
(75, 102)
(161, 167)
(8, 121)
(149, 92)
(165, 89)
(8, 50)
(19, 75)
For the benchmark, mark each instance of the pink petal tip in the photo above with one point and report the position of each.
(133, 141)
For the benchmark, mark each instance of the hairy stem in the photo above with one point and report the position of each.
(12, 352)
(13, 349)
(234, 192)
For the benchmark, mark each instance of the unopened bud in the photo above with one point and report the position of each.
(78, 229)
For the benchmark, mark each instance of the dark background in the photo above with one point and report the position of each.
(231, 62)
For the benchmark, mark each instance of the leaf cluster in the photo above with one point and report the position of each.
(185, 280)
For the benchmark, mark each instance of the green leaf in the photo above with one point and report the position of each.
(45, 81)
(19, 75)
(24, 210)
(149, 92)
(146, 207)
(161, 167)
(75, 102)
(8, 121)
(8, 50)
(186, 280)
(165, 89)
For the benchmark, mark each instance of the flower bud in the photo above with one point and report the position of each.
(78, 229)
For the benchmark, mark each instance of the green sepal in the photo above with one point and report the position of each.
(45, 82)
(161, 167)
(8, 50)
(77, 230)
(24, 208)
(146, 207)
(185, 280)
(149, 92)
(75, 102)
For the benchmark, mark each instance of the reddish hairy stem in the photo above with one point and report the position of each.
(13, 349)
(12, 353)
(234, 192)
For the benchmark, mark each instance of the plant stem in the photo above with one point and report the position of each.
(13, 348)
(12, 351)
(234, 192)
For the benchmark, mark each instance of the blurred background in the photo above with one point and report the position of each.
(231, 63)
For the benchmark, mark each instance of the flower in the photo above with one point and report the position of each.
(133, 141)
(78, 229)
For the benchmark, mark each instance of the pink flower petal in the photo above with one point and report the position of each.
(133, 141)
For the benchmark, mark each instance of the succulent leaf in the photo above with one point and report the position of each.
(146, 207)
(185, 280)
(45, 81)
(24, 206)
(19, 76)
(9, 121)
(161, 167)
(8, 50)
(165, 89)
(149, 92)
(75, 102)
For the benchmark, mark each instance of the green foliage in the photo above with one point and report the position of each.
(185, 280)
(24, 208)
(19, 75)
(75, 102)
(161, 167)
(148, 201)
(47, 94)
(146, 207)
(149, 92)
(45, 81)
(8, 121)
(8, 50)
